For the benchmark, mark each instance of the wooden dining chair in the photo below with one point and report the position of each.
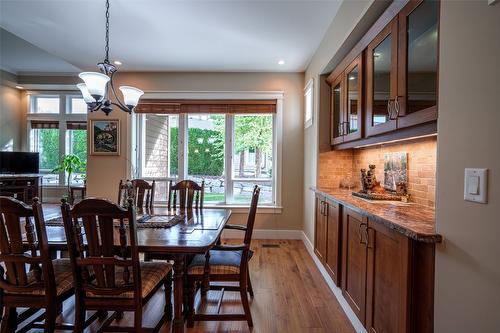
(226, 263)
(28, 275)
(141, 191)
(106, 268)
(188, 192)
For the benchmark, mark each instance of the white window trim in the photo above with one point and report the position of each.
(309, 89)
(63, 117)
(249, 95)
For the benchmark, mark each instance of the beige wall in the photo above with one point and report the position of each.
(104, 172)
(11, 113)
(467, 294)
(348, 16)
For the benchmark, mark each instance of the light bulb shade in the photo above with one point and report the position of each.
(85, 92)
(96, 84)
(131, 96)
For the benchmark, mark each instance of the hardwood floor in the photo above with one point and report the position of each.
(290, 296)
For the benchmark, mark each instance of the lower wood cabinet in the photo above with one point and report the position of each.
(386, 278)
(354, 257)
(387, 289)
(328, 236)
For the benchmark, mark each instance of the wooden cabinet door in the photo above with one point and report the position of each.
(387, 280)
(353, 100)
(354, 254)
(337, 110)
(418, 62)
(320, 229)
(332, 262)
(381, 81)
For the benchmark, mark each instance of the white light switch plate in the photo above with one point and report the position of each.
(475, 185)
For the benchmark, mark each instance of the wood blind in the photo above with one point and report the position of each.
(76, 125)
(206, 106)
(47, 124)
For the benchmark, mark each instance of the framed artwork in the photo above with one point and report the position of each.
(105, 137)
(395, 170)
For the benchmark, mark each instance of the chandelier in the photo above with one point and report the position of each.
(95, 89)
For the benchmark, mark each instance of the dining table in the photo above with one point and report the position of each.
(196, 232)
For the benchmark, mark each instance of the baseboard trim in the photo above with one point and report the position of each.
(337, 292)
(265, 234)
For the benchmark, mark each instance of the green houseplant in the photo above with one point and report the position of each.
(70, 163)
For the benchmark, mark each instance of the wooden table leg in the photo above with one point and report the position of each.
(178, 322)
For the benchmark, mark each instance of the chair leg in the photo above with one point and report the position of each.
(138, 320)
(244, 301)
(79, 316)
(168, 296)
(249, 282)
(9, 320)
(191, 296)
(50, 319)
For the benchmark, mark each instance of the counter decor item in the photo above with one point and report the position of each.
(371, 188)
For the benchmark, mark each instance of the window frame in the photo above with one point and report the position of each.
(63, 116)
(309, 91)
(138, 143)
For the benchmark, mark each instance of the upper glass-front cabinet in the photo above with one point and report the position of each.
(381, 87)
(418, 62)
(353, 100)
(336, 112)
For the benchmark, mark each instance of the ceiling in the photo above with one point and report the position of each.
(166, 35)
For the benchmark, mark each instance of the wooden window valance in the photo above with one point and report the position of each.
(206, 106)
(44, 124)
(76, 125)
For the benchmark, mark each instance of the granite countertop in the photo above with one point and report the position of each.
(412, 220)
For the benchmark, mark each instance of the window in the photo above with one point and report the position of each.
(206, 138)
(309, 103)
(57, 125)
(252, 157)
(231, 152)
(45, 104)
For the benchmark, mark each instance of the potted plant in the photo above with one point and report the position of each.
(70, 163)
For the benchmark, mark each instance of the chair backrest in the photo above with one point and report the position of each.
(108, 263)
(188, 192)
(251, 215)
(142, 192)
(16, 254)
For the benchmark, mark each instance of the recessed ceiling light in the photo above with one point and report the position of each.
(19, 87)
(281, 62)
(117, 62)
(352, 78)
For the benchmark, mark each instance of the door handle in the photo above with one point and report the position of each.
(397, 106)
(361, 232)
(321, 208)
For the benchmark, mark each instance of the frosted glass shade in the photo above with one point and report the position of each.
(85, 93)
(131, 96)
(96, 84)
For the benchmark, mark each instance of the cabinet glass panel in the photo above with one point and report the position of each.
(337, 93)
(381, 80)
(422, 33)
(353, 99)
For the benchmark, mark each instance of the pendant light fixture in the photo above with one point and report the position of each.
(95, 89)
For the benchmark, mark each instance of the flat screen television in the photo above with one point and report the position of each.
(13, 162)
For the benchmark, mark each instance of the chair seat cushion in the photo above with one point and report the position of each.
(221, 262)
(152, 273)
(63, 279)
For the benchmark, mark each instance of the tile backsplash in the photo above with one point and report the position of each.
(335, 165)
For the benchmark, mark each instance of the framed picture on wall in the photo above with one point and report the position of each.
(105, 137)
